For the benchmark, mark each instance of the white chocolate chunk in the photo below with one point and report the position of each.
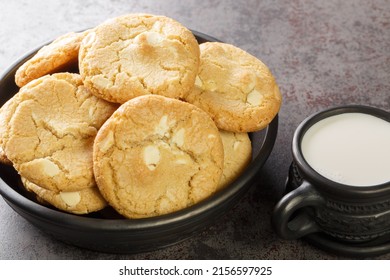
(178, 137)
(254, 98)
(198, 81)
(151, 156)
(162, 127)
(181, 161)
(211, 136)
(49, 168)
(70, 198)
(249, 87)
(154, 38)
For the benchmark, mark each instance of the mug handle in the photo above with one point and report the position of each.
(301, 224)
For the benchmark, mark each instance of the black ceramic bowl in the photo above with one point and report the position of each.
(107, 232)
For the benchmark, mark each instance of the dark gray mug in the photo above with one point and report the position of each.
(315, 203)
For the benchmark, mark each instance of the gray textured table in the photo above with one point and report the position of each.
(323, 53)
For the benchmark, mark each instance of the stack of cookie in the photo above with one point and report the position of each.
(47, 132)
(152, 122)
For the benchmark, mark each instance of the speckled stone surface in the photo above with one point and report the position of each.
(322, 53)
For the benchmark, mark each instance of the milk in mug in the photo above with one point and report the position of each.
(349, 148)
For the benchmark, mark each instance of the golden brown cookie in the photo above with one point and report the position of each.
(139, 54)
(156, 155)
(58, 54)
(5, 116)
(235, 88)
(77, 202)
(50, 136)
(237, 155)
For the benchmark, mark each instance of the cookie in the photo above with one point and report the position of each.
(139, 54)
(58, 54)
(237, 155)
(5, 116)
(156, 155)
(235, 88)
(77, 202)
(50, 135)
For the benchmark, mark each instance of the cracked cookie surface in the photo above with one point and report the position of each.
(139, 54)
(156, 155)
(235, 88)
(53, 121)
(77, 202)
(58, 54)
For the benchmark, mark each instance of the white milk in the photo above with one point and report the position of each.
(350, 148)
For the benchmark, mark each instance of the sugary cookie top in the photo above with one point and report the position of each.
(139, 54)
(50, 135)
(156, 155)
(59, 53)
(235, 88)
